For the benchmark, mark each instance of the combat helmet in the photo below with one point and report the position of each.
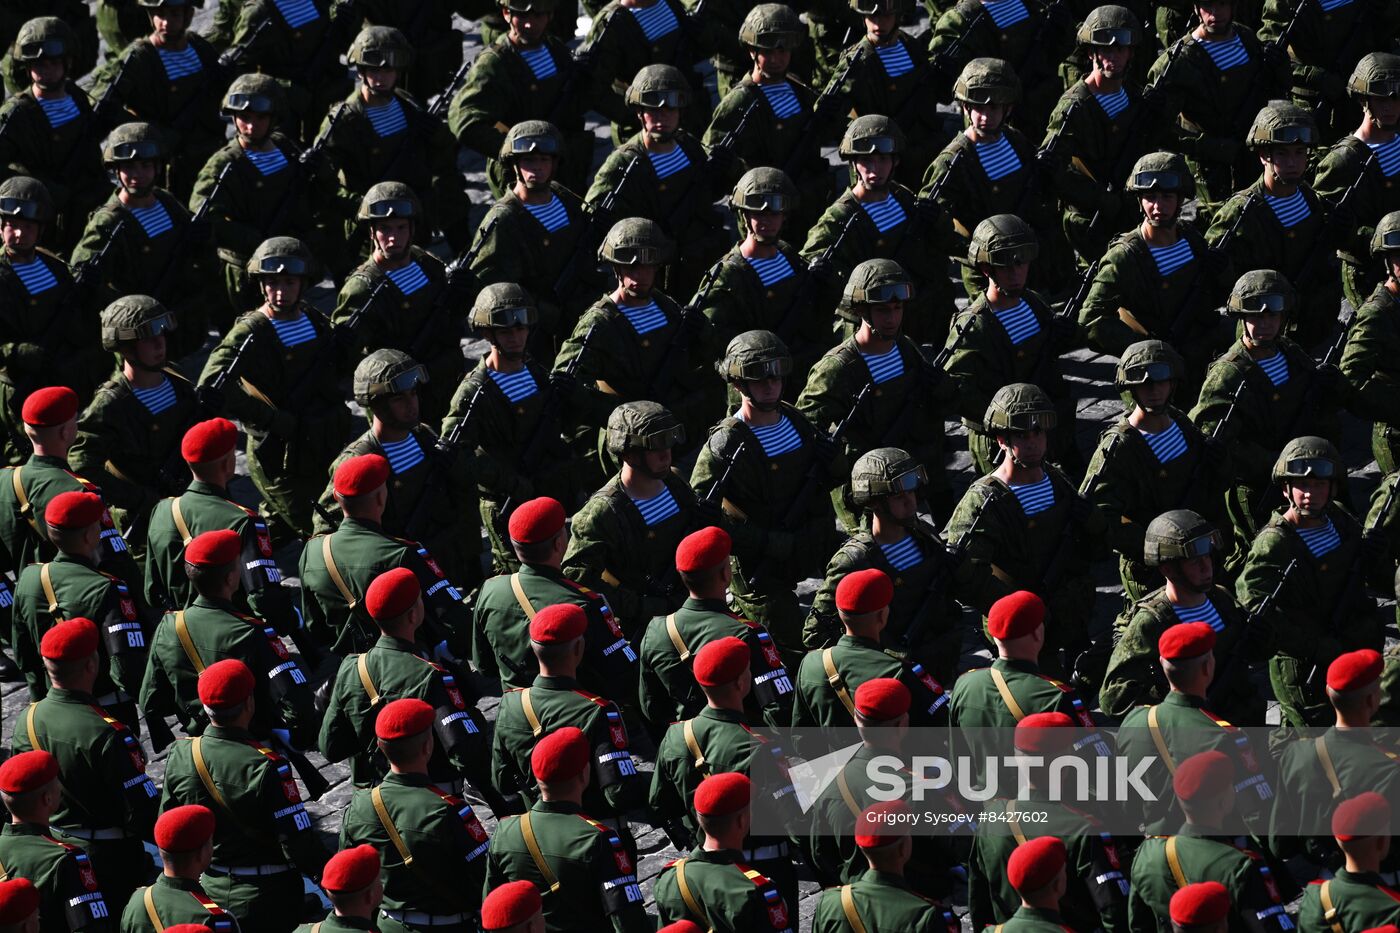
(380, 47)
(764, 189)
(876, 7)
(1162, 171)
(772, 26)
(283, 255)
(1282, 123)
(134, 317)
(1109, 25)
(1261, 290)
(384, 373)
(636, 241)
(22, 196)
(253, 93)
(1180, 534)
(1002, 240)
(870, 134)
(755, 354)
(885, 471)
(1386, 239)
(132, 142)
(531, 136)
(658, 86)
(529, 6)
(1143, 362)
(44, 37)
(1375, 75)
(1020, 406)
(643, 426)
(874, 282)
(987, 81)
(503, 304)
(389, 199)
(1309, 456)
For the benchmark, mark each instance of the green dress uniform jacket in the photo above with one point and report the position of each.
(826, 700)
(1255, 905)
(1034, 920)
(593, 865)
(25, 492)
(1371, 363)
(1349, 162)
(730, 896)
(174, 900)
(884, 903)
(406, 817)
(263, 838)
(1361, 902)
(69, 895)
(334, 924)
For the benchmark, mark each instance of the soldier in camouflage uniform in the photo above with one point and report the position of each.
(418, 310)
(1371, 360)
(877, 218)
(1279, 222)
(1323, 609)
(76, 13)
(285, 393)
(146, 240)
(1151, 460)
(773, 472)
(904, 391)
(1263, 392)
(427, 25)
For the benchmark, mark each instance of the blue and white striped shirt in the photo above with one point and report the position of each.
(1226, 54)
(895, 59)
(1166, 445)
(1388, 155)
(294, 332)
(884, 366)
(1005, 13)
(541, 62)
(1322, 540)
(998, 158)
(267, 163)
(656, 20)
(777, 439)
(1113, 104)
(409, 278)
(552, 216)
(782, 99)
(35, 276)
(154, 220)
(903, 554)
(180, 64)
(515, 386)
(1330, 5)
(658, 508)
(157, 399)
(60, 111)
(1018, 322)
(403, 455)
(1171, 258)
(771, 271)
(1291, 210)
(1034, 497)
(297, 13)
(1275, 367)
(388, 119)
(1205, 612)
(666, 164)
(886, 214)
(644, 318)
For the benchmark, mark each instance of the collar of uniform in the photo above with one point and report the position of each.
(407, 779)
(1196, 831)
(366, 524)
(201, 488)
(715, 856)
(179, 884)
(209, 602)
(24, 829)
(721, 715)
(705, 605)
(1177, 698)
(390, 643)
(336, 921)
(852, 641)
(1037, 913)
(555, 683)
(1355, 736)
(46, 460)
(885, 878)
(541, 570)
(556, 806)
(62, 558)
(1368, 878)
(227, 733)
(1012, 664)
(64, 695)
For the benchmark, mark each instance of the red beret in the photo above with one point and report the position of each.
(883, 823)
(863, 591)
(27, 771)
(559, 623)
(1200, 904)
(187, 928)
(882, 699)
(74, 510)
(560, 756)
(351, 869)
(1354, 670)
(703, 549)
(392, 594)
(1366, 814)
(510, 904)
(721, 661)
(402, 718)
(1044, 733)
(19, 899)
(214, 548)
(537, 520)
(682, 926)
(48, 408)
(1186, 640)
(209, 440)
(1035, 863)
(1205, 775)
(359, 475)
(723, 794)
(71, 640)
(184, 829)
(1388, 928)
(1017, 614)
(225, 683)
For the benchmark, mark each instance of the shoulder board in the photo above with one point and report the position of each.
(594, 698)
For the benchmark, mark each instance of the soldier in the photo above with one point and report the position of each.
(624, 538)
(427, 26)
(721, 889)
(885, 484)
(510, 409)
(773, 473)
(416, 312)
(1371, 358)
(1183, 547)
(1160, 280)
(144, 242)
(264, 840)
(337, 569)
(352, 885)
(432, 496)
(71, 586)
(1324, 609)
(434, 846)
(19, 905)
(1025, 346)
(285, 396)
(78, 16)
(50, 131)
(1037, 871)
(1355, 895)
(1204, 905)
(1023, 526)
(589, 866)
(120, 24)
(1204, 850)
(507, 603)
(515, 905)
(668, 690)
(49, 337)
(1260, 394)
(877, 218)
(907, 391)
(1151, 460)
(637, 343)
(1296, 230)
(1367, 160)
(184, 837)
(128, 439)
(209, 629)
(555, 700)
(67, 896)
(666, 175)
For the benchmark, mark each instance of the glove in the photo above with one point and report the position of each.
(721, 160)
(1064, 332)
(931, 376)
(1330, 380)
(1080, 509)
(199, 233)
(1277, 57)
(564, 384)
(708, 513)
(823, 449)
(929, 212)
(692, 324)
(1215, 453)
(1342, 217)
(1373, 547)
(209, 397)
(823, 273)
(1215, 261)
(283, 424)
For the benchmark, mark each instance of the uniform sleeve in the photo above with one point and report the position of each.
(262, 580)
(977, 584)
(96, 447)
(1134, 676)
(1112, 493)
(1369, 364)
(1098, 316)
(287, 689)
(280, 801)
(614, 771)
(122, 765)
(614, 870)
(125, 636)
(84, 905)
(1255, 896)
(589, 554)
(459, 729)
(446, 618)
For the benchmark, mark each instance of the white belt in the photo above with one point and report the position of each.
(91, 835)
(113, 698)
(249, 871)
(766, 853)
(421, 919)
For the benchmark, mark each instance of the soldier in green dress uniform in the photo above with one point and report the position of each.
(1037, 870)
(1355, 897)
(184, 837)
(353, 886)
